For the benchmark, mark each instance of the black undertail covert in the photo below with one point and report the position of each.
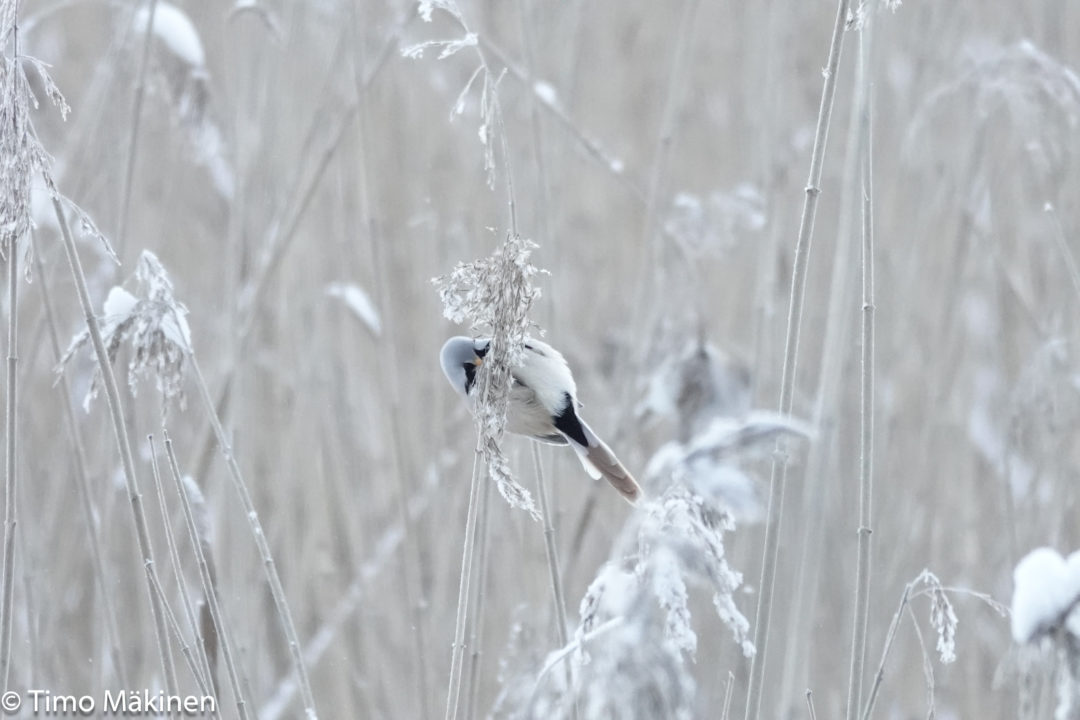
(567, 422)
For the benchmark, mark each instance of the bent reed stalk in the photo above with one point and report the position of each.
(116, 413)
(209, 587)
(277, 591)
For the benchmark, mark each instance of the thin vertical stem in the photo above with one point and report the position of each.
(457, 650)
(10, 478)
(200, 664)
(178, 633)
(866, 423)
(81, 481)
(822, 453)
(669, 119)
(476, 637)
(1063, 246)
(549, 546)
(7, 594)
(791, 351)
(890, 636)
(653, 267)
(541, 215)
(284, 230)
(116, 413)
(209, 590)
(511, 201)
(133, 138)
(729, 690)
(557, 112)
(553, 565)
(277, 591)
(411, 567)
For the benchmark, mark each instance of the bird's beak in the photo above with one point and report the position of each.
(478, 361)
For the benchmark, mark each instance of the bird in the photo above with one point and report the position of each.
(543, 404)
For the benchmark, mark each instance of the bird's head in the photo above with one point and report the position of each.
(461, 357)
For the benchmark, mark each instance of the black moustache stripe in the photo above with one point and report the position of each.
(470, 376)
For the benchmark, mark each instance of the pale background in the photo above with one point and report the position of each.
(975, 132)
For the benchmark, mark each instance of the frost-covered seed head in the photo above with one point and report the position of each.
(155, 326)
(21, 154)
(493, 295)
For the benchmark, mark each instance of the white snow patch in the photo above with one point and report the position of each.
(119, 305)
(41, 206)
(1046, 587)
(175, 31)
(619, 589)
(359, 303)
(546, 92)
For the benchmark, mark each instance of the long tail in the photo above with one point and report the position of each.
(600, 461)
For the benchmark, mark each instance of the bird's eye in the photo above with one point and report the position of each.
(482, 351)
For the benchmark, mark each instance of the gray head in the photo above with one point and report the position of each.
(460, 359)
